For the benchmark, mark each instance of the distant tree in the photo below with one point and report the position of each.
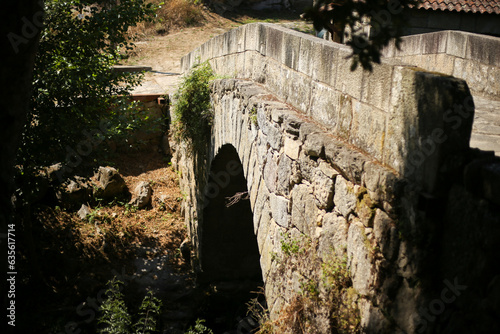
(386, 18)
(74, 86)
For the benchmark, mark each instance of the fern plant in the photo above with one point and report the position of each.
(115, 317)
(148, 315)
(199, 328)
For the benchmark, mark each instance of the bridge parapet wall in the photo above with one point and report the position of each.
(404, 117)
(472, 57)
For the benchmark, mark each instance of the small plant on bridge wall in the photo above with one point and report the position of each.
(326, 298)
(253, 116)
(340, 295)
(193, 114)
(289, 245)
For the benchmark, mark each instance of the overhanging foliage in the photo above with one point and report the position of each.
(74, 87)
(386, 18)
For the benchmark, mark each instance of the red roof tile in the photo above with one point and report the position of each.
(473, 6)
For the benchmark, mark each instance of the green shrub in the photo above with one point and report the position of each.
(78, 100)
(193, 114)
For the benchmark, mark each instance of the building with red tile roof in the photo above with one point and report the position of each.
(477, 16)
(464, 6)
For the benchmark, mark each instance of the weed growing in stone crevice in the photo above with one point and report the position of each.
(260, 313)
(340, 295)
(327, 302)
(253, 116)
(289, 245)
(193, 114)
(310, 288)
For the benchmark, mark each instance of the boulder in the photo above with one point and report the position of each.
(55, 172)
(73, 192)
(83, 212)
(141, 195)
(109, 183)
(185, 249)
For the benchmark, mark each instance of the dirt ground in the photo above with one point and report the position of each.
(67, 261)
(164, 52)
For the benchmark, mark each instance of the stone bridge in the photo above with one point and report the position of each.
(311, 167)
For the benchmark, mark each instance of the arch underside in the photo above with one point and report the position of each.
(229, 249)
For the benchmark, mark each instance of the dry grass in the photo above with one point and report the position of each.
(171, 15)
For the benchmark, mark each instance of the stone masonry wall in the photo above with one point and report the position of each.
(472, 57)
(306, 186)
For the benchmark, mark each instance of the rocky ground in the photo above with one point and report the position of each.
(72, 258)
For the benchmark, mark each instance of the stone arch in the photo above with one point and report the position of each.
(229, 249)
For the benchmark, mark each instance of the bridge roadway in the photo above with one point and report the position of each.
(486, 126)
